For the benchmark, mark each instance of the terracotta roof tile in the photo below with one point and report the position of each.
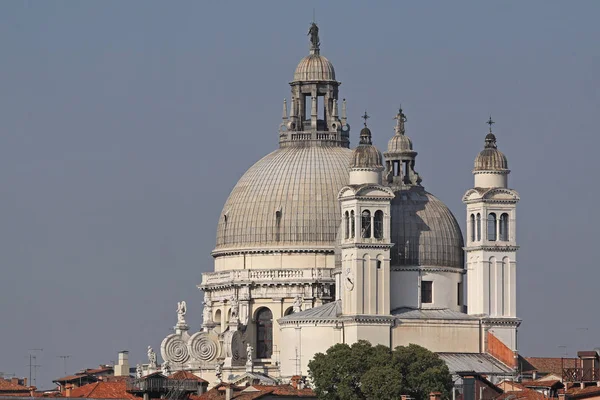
(551, 364)
(541, 383)
(103, 390)
(526, 394)
(8, 386)
(186, 375)
(577, 392)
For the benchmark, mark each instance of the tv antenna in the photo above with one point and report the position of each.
(33, 366)
(64, 358)
(297, 361)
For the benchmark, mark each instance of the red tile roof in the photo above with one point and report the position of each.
(103, 390)
(577, 392)
(550, 364)
(74, 378)
(541, 383)
(8, 386)
(256, 392)
(526, 394)
(186, 375)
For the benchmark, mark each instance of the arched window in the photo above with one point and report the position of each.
(491, 227)
(289, 311)
(277, 226)
(472, 227)
(378, 225)
(504, 227)
(264, 333)
(478, 227)
(366, 224)
(217, 317)
(346, 225)
(352, 223)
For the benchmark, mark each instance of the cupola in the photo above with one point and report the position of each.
(366, 160)
(490, 166)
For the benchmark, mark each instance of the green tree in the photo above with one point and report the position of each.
(363, 371)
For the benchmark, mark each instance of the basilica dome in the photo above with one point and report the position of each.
(424, 231)
(287, 200)
(314, 67)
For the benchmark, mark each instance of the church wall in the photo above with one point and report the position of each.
(405, 285)
(491, 179)
(302, 343)
(274, 261)
(375, 334)
(404, 289)
(438, 336)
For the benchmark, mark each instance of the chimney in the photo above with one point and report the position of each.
(295, 380)
(122, 367)
(435, 396)
(14, 381)
(228, 392)
(68, 388)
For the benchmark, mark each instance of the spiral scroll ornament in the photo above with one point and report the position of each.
(203, 347)
(176, 350)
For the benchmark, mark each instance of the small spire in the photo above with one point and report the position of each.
(344, 116)
(490, 123)
(365, 117)
(400, 120)
(335, 108)
(285, 114)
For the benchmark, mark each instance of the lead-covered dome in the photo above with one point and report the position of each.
(490, 158)
(288, 200)
(314, 67)
(424, 231)
(365, 155)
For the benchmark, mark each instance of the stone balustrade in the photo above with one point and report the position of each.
(266, 276)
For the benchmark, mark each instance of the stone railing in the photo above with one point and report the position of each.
(266, 276)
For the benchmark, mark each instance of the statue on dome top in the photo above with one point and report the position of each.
(314, 36)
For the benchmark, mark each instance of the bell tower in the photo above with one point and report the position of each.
(491, 245)
(365, 248)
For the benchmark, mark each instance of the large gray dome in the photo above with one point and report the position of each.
(287, 200)
(424, 231)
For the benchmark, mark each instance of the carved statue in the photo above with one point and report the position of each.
(235, 305)
(297, 306)
(314, 35)
(219, 372)
(206, 311)
(151, 358)
(400, 120)
(166, 368)
(181, 311)
(249, 350)
(138, 371)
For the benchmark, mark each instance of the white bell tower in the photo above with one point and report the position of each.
(491, 244)
(365, 247)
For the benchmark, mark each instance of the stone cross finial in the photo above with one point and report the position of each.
(365, 117)
(490, 123)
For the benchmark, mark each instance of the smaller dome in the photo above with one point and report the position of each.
(314, 67)
(365, 155)
(400, 143)
(490, 158)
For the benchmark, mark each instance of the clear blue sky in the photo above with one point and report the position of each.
(124, 125)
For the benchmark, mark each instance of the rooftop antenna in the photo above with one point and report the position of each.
(314, 18)
(32, 365)
(296, 361)
(65, 357)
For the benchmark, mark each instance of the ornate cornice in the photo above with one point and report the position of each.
(375, 245)
(266, 250)
(430, 269)
(491, 321)
(487, 247)
(368, 319)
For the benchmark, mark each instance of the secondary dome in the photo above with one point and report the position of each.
(424, 231)
(490, 158)
(314, 67)
(399, 143)
(365, 155)
(288, 199)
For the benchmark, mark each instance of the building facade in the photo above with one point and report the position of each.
(319, 244)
